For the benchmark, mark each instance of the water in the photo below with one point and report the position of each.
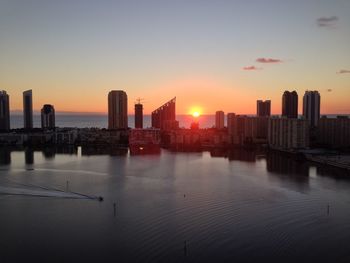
(237, 206)
(101, 121)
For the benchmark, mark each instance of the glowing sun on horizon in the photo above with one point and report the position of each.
(196, 114)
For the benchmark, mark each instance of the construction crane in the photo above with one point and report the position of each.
(139, 100)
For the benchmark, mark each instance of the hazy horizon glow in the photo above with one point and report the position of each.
(211, 55)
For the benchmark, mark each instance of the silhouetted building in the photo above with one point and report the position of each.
(138, 116)
(144, 141)
(288, 134)
(311, 107)
(117, 110)
(164, 117)
(219, 120)
(28, 109)
(334, 132)
(290, 104)
(263, 108)
(243, 129)
(4, 111)
(48, 117)
(194, 125)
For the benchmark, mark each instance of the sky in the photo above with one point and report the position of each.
(212, 55)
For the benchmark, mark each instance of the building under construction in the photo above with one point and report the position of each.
(164, 117)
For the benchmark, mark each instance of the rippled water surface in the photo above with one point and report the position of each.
(236, 206)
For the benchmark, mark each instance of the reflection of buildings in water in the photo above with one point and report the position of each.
(66, 149)
(281, 163)
(245, 155)
(338, 173)
(217, 152)
(49, 152)
(29, 155)
(145, 150)
(103, 150)
(5, 155)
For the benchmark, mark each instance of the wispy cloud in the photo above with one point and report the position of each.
(251, 68)
(268, 60)
(327, 21)
(343, 71)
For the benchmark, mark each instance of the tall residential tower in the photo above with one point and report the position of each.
(4, 111)
(290, 104)
(28, 109)
(219, 119)
(138, 115)
(311, 107)
(48, 117)
(263, 108)
(117, 109)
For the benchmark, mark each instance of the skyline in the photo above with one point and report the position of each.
(232, 53)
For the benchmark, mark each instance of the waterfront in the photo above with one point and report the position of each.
(241, 206)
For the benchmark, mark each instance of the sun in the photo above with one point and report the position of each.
(196, 114)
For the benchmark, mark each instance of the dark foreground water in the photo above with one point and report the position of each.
(174, 207)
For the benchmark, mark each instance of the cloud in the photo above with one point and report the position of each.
(329, 90)
(251, 68)
(327, 21)
(268, 60)
(343, 71)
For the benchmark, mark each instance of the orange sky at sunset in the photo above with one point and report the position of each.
(210, 56)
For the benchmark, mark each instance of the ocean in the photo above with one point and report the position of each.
(101, 121)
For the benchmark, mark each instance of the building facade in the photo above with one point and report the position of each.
(290, 104)
(334, 132)
(48, 117)
(4, 111)
(288, 134)
(117, 110)
(164, 117)
(311, 107)
(243, 129)
(28, 109)
(263, 108)
(219, 120)
(138, 116)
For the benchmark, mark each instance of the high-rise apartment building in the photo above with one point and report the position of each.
(288, 133)
(28, 109)
(263, 108)
(138, 116)
(117, 109)
(48, 117)
(290, 104)
(311, 107)
(4, 111)
(219, 120)
(164, 117)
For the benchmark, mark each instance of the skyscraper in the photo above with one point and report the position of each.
(48, 117)
(117, 109)
(263, 108)
(311, 107)
(138, 116)
(164, 117)
(290, 104)
(28, 109)
(219, 120)
(4, 111)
